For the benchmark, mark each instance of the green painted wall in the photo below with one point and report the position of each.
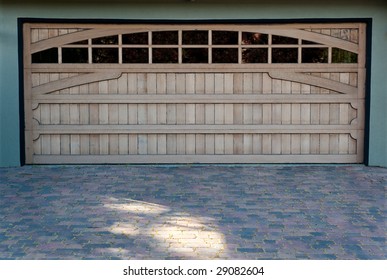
(11, 10)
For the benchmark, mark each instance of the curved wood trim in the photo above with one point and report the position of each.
(329, 41)
(75, 81)
(314, 81)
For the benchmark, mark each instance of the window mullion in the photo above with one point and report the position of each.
(209, 46)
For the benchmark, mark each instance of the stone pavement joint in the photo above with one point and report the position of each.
(193, 212)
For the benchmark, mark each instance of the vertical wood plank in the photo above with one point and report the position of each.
(180, 144)
(295, 144)
(75, 144)
(333, 144)
(152, 144)
(266, 144)
(286, 114)
(228, 144)
(219, 113)
(161, 144)
(305, 114)
(277, 113)
(266, 84)
(247, 114)
(171, 144)
(257, 144)
(199, 83)
(266, 114)
(257, 83)
(94, 144)
(305, 144)
(314, 144)
(133, 144)
(228, 83)
(324, 144)
(210, 144)
(104, 144)
(190, 144)
(200, 144)
(247, 83)
(248, 144)
(276, 145)
(209, 83)
(123, 144)
(257, 114)
(238, 144)
(285, 144)
(142, 144)
(132, 83)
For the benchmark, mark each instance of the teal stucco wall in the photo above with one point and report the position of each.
(11, 10)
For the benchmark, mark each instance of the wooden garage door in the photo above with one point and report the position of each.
(178, 93)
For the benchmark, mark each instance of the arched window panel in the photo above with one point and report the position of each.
(75, 55)
(343, 56)
(195, 37)
(46, 56)
(108, 40)
(195, 46)
(254, 38)
(141, 38)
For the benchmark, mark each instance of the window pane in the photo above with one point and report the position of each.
(195, 55)
(46, 56)
(105, 55)
(135, 39)
(195, 37)
(83, 42)
(254, 38)
(165, 38)
(284, 55)
(109, 40)
(305, 42)
(314, 55)
(342, 56)
(254, 55)
(284, 40)
(166, 55)
(135, 55)
(225, 55)
(224, 37)
(75, 55)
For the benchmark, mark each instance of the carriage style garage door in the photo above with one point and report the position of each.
(184, 93)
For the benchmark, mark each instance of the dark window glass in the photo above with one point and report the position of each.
(195, 55)
(305, 42)
(75, 55)
(105, 55)
(135, 39)
(284, 55)
(254, 55)
(343, 56)
(165, 38)
(167, 55)
(109, 40)
(46, 56)
(314, 55)
(83, 42)
(225, 55)
(254, 38)
(135, 55)
(195, 37)
(224, 37)
(281, 40)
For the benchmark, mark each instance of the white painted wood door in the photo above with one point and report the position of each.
(205, 93)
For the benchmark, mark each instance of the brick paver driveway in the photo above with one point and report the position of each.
(193, 212)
